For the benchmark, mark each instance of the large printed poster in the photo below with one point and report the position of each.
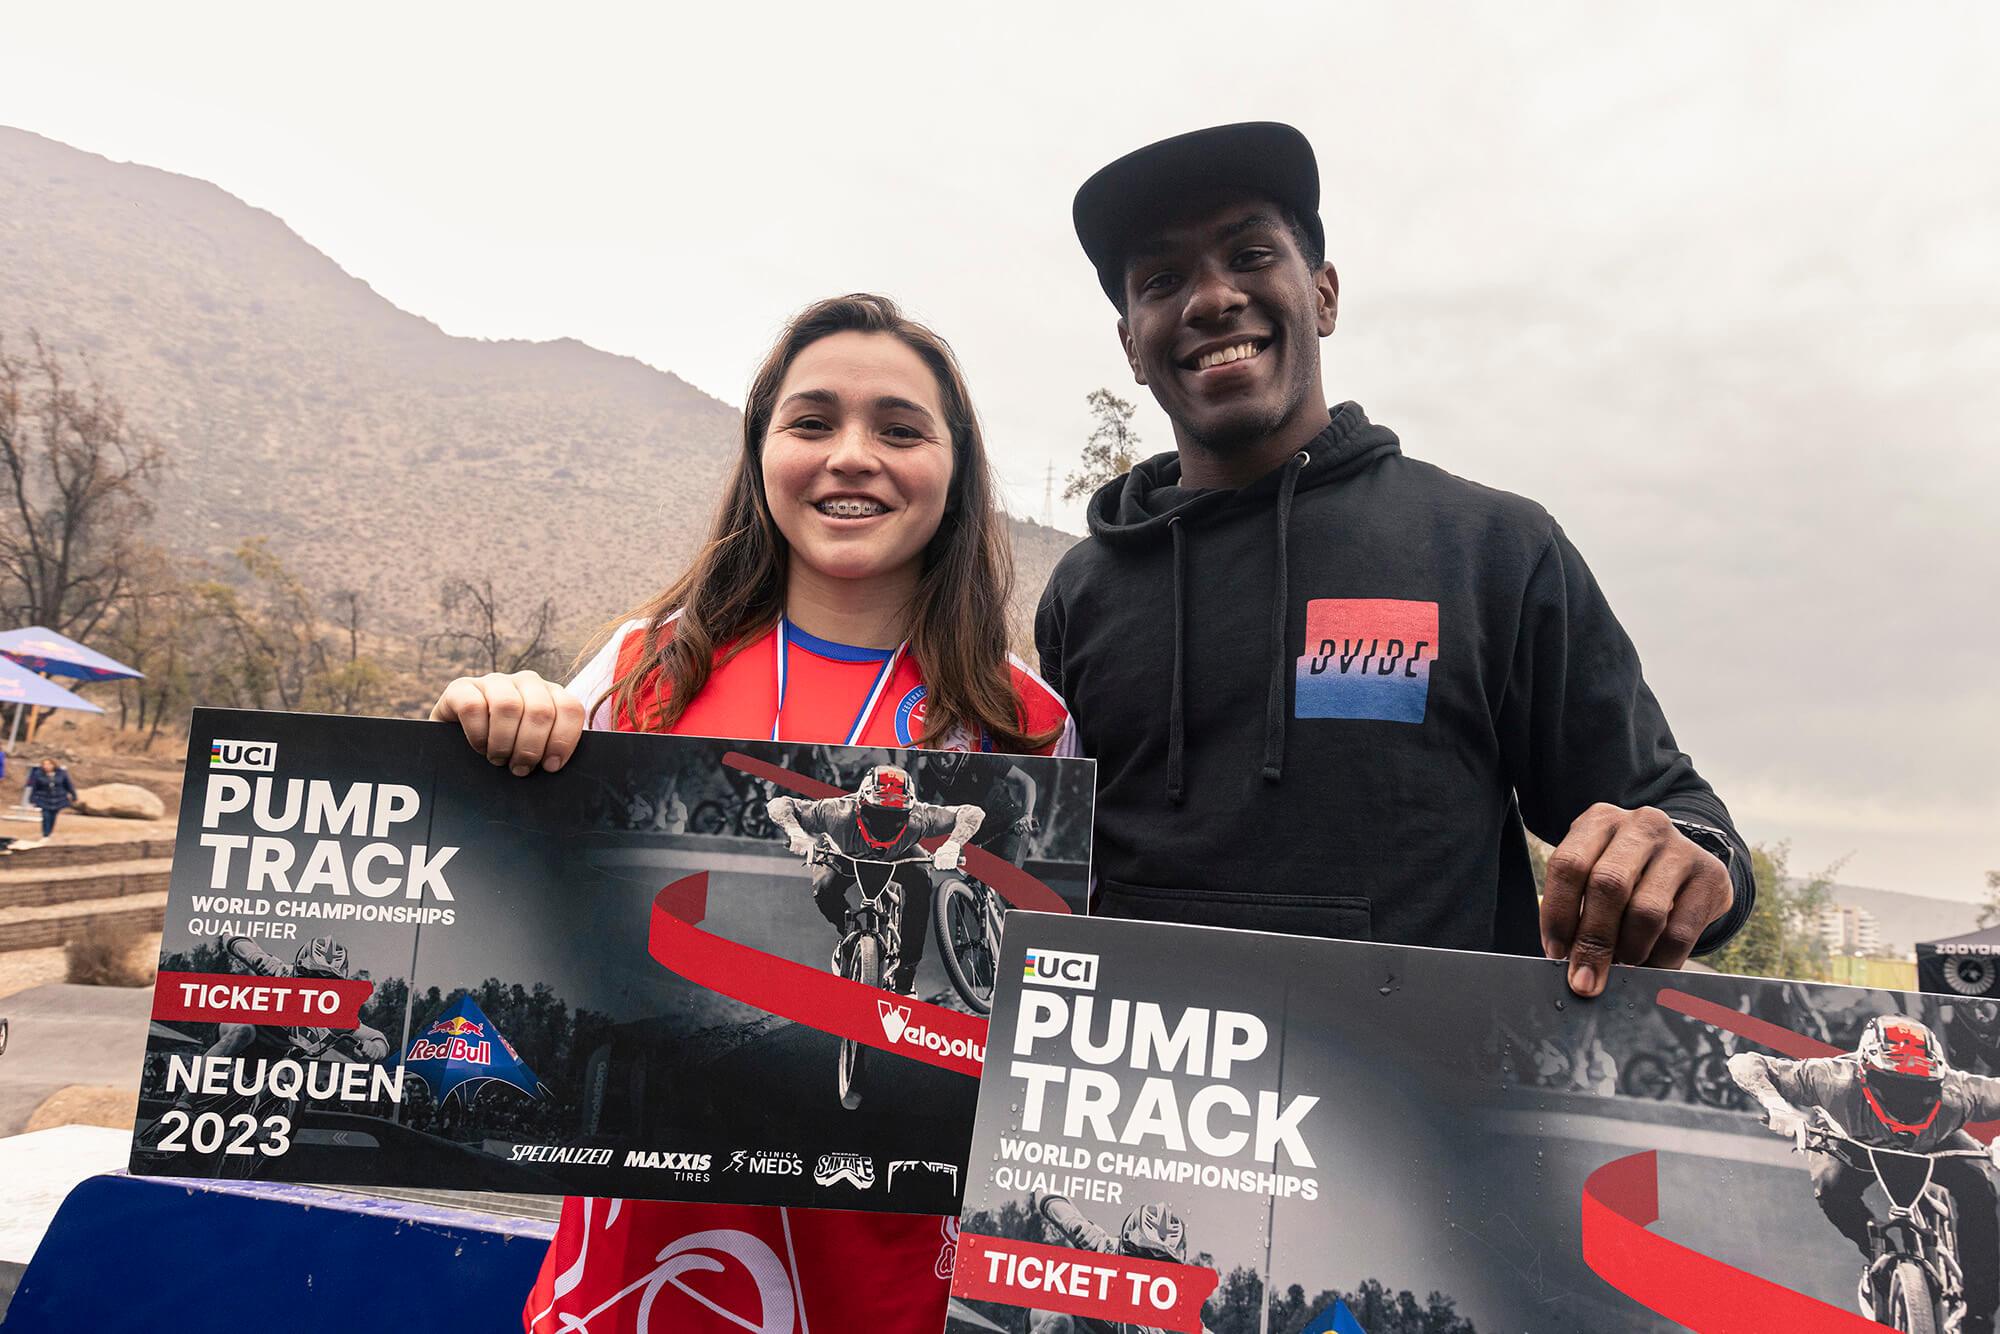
(680, 968)
(1183, 1128)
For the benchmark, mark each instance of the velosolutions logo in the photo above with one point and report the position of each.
(1056, 968)
(257, 757)
(897, 1027)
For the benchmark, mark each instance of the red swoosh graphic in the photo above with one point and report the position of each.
(1621, 1198)
(809, 996)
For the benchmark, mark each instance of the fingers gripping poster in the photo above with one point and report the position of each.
(681, 968)
(1183, 1128)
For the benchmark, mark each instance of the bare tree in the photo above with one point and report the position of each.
(1112, 449)
(479, 635)
(79, 482)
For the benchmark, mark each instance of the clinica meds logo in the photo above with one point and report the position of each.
(257, 757)
(1055, 968)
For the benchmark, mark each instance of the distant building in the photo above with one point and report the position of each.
(1846, 930)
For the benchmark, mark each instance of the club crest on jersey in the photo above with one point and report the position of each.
(910, 717)
(910, 726)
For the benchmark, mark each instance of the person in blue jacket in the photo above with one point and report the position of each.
(49, 788)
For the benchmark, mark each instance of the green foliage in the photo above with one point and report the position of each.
(1112, 449)
(1374, 1308)
(1236, 1303)
(1778, 940)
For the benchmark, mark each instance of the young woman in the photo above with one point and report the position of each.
(49, 787)
(853, 590)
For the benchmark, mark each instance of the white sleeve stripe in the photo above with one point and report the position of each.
(1022, 669)
(593, 683)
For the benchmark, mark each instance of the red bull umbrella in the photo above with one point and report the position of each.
(18, 685)
(52, 654)
(460, 1049)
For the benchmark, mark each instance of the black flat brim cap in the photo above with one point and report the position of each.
(1132, 198)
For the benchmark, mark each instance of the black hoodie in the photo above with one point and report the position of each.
(1323, 703)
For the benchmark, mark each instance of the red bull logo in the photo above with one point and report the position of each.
(452, 1049)
(457, 1026)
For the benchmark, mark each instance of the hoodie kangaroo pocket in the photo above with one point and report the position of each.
(1339, 916)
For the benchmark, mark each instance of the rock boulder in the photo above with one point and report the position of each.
(125, 801)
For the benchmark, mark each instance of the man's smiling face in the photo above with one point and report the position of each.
(1223, 318)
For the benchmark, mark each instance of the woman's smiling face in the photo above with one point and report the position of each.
(857, 460)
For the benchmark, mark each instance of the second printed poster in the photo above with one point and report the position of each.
(1190, 1129)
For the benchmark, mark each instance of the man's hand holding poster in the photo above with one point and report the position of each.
(387, 962)
(1183, 1128)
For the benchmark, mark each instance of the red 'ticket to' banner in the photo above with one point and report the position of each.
(1119, 1288)
(284, 1002)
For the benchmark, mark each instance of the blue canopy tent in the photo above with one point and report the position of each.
(43, 650)
(52, 654)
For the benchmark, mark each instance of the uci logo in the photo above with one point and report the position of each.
(1054, 968)
(257, 757)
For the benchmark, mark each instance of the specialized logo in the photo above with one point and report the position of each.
(766, 1162)
(1055, 968)
(909, 1165)
(857, 1170)
(568, 1154)
(257, 757)
(896, 1026)
(1367, 658)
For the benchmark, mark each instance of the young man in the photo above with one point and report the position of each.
(1325, 684)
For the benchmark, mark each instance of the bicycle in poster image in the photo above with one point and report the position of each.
(870, 945)
(1914, 1282)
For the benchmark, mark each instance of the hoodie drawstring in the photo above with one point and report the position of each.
(1274, 700)
(1176, 722)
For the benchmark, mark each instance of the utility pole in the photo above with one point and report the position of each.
(1049, 497)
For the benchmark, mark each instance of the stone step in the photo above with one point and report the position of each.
(85, 854)
(41, 926)
(33, 888)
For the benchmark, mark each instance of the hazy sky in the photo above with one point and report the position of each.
(1717, 284)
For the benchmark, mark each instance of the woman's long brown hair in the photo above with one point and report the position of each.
(735, 590)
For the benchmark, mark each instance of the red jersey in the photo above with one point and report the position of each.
(635, 1266)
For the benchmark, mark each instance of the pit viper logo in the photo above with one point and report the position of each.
(1367, 658)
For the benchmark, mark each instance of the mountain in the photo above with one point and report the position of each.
(375, 451)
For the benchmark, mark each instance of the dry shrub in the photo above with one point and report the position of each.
(108, 955)
(79, 1105)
